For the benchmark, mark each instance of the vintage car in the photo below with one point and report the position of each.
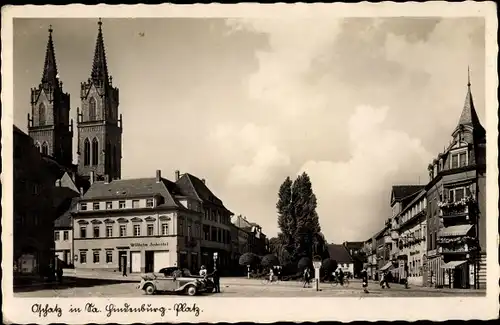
(158, 282)
(208, 284)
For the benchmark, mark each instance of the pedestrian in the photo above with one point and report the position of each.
(341, 277)
(59, 274)
(215, 275)
(364, 279)
(271, 274)
(124, 268)
(307, 277)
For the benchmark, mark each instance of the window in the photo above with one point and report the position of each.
(96, 257)
(66, 235)
(149, 203)
(95, 152)
(197, 231)
(56, 235)
(135, 204)
(123, 230)
(45, 148)
(95, 206)
(462, 159)
(92, 109)
(150, 230)
(109, 231)
(41, 115)
(164, 229)
(137, 230)
(96, 231)
(206, 232)
(454, 161)
(181, 227)
(83, 232)
(109, 256)
(121, 204)
(109, 205)
(86, 152)
(83, 206)
(189, 231)
(457, 194)
(83, 257)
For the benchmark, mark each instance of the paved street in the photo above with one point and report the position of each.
(231, 287)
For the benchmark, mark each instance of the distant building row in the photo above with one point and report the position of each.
(436, 235)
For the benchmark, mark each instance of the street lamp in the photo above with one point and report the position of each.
(215, 260)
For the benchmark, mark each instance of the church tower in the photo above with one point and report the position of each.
(99, 124)
(49, 124)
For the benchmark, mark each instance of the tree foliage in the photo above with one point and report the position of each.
(249, 259)
(269, 260)
(304, 262)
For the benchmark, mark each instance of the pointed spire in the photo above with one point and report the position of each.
(469, 115)
(50, 74)
(100, 67)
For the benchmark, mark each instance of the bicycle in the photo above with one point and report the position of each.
(335, 282)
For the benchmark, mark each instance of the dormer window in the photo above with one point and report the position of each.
(459, 159)
(95, 206)
(149, 203)
(83, 206)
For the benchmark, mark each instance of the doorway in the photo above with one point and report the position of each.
(122, 260)
(150, 257)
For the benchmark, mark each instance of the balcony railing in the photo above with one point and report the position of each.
(454, 249)
(456, 207)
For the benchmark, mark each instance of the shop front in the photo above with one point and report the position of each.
(137, 255)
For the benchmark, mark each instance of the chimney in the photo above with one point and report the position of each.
(81, 191)
(58, 183)
(177, 175)
(158, 176)
(106, 179)
(203, 180)
(92, 177)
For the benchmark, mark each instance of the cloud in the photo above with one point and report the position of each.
(352, 194)
(252, 152)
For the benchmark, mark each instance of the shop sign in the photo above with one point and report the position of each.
(152, 244)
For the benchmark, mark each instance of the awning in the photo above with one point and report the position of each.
(452, 264)
(460, 230)
(387, 266)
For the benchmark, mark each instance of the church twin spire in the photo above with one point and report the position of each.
(50, 75)
(99, 72)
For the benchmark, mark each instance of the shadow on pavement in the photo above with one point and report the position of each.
(69, 282)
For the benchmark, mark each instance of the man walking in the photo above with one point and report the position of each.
(364, 279)
(215, 275)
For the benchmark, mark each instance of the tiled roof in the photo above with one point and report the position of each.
(400, 192)
(339, 253)
(64, 220)
(193, 186)
(129, 188)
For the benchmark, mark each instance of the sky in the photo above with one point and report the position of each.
(360, 104)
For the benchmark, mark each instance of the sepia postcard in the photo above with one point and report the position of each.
(230, 163)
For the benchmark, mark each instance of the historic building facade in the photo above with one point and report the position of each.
(412, 230)
(33, 213)
(457, 206)
(147, 224)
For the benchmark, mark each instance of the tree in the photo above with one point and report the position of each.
(269, 261)
(328, 266)
(306, 218)
(303, 263)
(249, 259)
(320, 246)
(286, 219)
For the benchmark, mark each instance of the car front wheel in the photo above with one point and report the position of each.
(191, 290)
(149, 289)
